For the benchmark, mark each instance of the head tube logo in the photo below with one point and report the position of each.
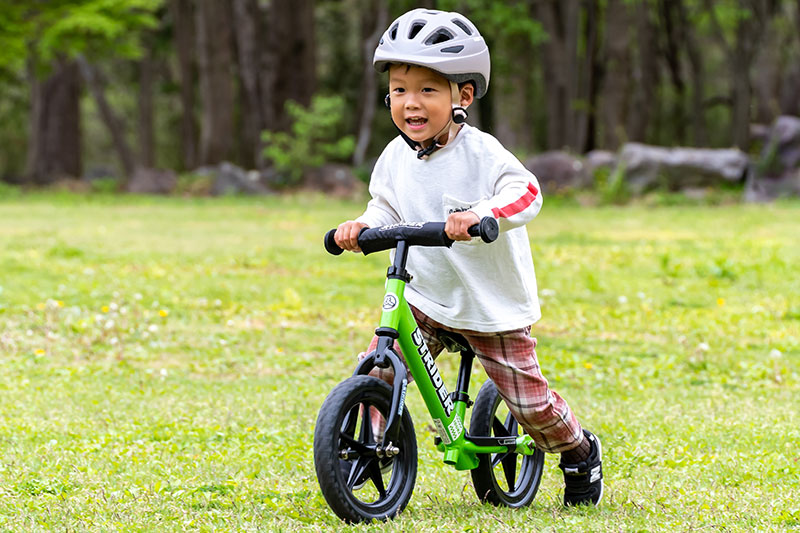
(390, 302)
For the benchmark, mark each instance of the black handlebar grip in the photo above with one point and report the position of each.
(330, 244)
(487, 229)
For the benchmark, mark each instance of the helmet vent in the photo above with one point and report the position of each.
(460, 23)
(415, 27)
(393, 32)
(453, 49)
(439, 36)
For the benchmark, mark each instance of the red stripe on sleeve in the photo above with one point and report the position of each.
(520, 205)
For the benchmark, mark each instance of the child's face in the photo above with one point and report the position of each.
(420, 101)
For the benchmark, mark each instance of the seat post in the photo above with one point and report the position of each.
(464, 372)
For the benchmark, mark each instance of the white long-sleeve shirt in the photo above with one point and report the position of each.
(473, 285)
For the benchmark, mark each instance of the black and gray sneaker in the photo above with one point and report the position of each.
(584, 481)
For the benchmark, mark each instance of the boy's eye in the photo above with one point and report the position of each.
(428, 90)
(399, 90)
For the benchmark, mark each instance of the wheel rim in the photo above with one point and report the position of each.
(367, 486)
(512, 473)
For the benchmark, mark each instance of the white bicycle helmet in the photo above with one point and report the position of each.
(446, 42)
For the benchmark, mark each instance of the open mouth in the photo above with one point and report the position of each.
(416, 123)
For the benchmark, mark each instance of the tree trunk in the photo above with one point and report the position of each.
(249, 35)
(670, 16)
(146, 130)
(486, 105)
(616, 79)
(587, 81)
(112, 122)
(740, 56)
(645, 73)
(183, 18)
(54, 145)
(741, 97)
(766, 78)
(369, 85)
(214, 54)
(292, 41)
(560, 67)
(697, 74)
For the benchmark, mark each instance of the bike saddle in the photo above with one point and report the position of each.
(453, 342)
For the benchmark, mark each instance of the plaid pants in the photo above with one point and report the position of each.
(509, 358)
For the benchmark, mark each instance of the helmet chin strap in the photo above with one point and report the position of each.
(458, 116)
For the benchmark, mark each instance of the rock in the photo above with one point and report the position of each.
(595, 160)
(785, 136)
(765, 189)
(649, 167)
(558, 171)
(152, 181)
(334, 179)
(231, 179)
(777, 172)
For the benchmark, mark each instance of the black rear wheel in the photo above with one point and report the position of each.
(357, 484)
(509, 479)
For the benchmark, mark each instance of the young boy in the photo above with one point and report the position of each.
(441, 168)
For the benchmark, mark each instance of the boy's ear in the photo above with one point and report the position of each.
(466, 94)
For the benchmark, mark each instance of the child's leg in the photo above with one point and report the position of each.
(510, 360)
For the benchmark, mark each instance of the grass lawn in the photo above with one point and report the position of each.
(162, 362)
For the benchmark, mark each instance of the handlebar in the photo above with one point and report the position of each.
(372, 240)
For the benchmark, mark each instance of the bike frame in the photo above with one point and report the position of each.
(447, 410)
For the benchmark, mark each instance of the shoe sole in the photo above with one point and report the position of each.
(599, 456)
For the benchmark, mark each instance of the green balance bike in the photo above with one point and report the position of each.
(365, 448)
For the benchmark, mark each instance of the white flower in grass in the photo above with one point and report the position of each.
(622, 299)
(109, 324)
(703, 347)
(775, 354)
(152, 328)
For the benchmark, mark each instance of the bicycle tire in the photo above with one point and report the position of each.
(355, 488)
(519, 475)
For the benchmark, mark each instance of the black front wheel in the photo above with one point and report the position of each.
(509, 479)
(358, 485)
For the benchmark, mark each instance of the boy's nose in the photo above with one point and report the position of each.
(411, 102)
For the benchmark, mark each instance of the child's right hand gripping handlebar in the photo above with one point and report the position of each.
(413, 233)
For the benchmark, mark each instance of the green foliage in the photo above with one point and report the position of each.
(497, 20)
(314, 139)
(610, 184)
(105, 185)
(70, 27)
(95, 25)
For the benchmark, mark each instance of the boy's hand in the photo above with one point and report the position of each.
(346, 235)
(458, 223)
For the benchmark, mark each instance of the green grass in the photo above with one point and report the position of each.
(162, 362)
